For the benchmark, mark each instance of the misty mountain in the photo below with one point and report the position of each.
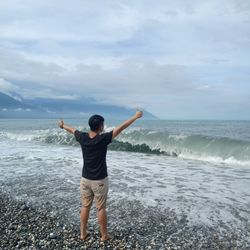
(9, 102)
(57, 108)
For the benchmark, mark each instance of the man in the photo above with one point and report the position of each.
(94, 181)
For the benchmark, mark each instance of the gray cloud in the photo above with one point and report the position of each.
(176, 58)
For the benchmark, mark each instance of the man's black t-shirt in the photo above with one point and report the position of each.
(94, 151)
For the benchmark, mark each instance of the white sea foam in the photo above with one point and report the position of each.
(196, 147)
(213, 159)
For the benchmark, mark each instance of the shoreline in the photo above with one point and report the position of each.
(25, 226)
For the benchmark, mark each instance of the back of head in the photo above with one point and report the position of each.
(96, 122)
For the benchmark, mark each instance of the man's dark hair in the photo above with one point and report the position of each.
(95, 122)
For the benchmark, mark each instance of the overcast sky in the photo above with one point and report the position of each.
(178, 59)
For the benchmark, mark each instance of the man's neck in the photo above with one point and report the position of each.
(92, 134)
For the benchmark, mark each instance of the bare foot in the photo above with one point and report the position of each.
(85, 237)
(106, 237)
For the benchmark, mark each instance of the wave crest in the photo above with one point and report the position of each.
(197, 147)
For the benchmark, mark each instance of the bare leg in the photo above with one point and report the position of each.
(84, 221)
(102, 219)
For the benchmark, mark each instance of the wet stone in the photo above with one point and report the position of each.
(24, 207)
(53, 235)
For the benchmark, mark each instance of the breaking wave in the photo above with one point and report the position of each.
(197, 147)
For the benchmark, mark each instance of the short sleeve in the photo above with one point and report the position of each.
(108, 137)
(78, 135)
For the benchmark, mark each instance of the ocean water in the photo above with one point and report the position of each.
(197, 168)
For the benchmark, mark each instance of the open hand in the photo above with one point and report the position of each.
(61, 123)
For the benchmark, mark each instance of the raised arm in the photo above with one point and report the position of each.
(127, 123)
(66, 127)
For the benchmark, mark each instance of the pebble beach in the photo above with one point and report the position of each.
(133, 227)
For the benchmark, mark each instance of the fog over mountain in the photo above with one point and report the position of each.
(18, 107)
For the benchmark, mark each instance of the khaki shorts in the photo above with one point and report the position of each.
(90, 189)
